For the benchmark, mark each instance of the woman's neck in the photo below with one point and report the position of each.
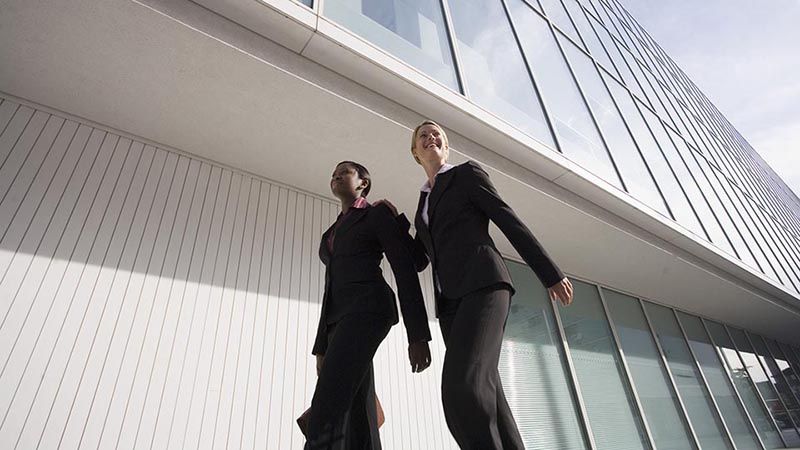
(347, 202)
(432, 169)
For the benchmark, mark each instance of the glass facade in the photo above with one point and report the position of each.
(584, 78)
(614, 372)
(637, 376)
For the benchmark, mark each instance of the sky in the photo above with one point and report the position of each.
(745, 56)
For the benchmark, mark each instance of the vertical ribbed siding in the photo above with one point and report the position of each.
(152, 300)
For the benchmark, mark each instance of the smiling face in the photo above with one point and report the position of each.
(430, 144)
(346, 183)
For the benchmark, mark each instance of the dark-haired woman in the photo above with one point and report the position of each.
(358, 309)
(472, 285)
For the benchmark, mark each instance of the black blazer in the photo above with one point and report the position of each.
(457, 241)
(353, 278)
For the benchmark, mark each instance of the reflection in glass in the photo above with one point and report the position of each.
(412, 30)
(576, 131)
(555, 11)
(622, 67)
(776, 377)
(702, 414)
(751, 234)
(765, 387)
(791, 357)
(729, 407)
(609, 402)
(744, 386)
(650, 378)
(635, 174)
(533, 371)
(589, 37)
(712, 224)
(785, 368)
(495, 74)
(717, 207)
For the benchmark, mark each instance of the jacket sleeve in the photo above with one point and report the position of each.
(321, 341)
(483, 194)
(395, 245)
(414, 245)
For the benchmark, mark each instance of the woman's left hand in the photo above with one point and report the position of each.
(419, 354)
(561, 291)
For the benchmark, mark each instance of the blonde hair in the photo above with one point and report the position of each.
(416, 131)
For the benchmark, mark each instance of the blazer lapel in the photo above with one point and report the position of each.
(442, 181)
(422, 230)
(351, 219)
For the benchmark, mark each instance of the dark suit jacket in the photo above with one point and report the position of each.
(353, 278)
(457, 241)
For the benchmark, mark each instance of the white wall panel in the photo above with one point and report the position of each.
(149, 299)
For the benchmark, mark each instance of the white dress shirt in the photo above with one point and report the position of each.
(426, 187)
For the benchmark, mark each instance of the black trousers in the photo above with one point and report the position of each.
(343, 414)
(475, 406)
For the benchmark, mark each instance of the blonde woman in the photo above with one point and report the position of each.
(472, 285)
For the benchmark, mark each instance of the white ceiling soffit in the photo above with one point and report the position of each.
(179, 75)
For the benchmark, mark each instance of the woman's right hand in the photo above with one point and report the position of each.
(419, 355)
(320, 358)
(389, 204)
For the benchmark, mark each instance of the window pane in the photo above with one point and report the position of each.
(679, 205)
(589, 37)
(762, 382)
(749, 231)
(718, 208)
(533, 369)
(576, 131)
(634, 172)
(704, 418)
(555, 11)
(494, 72)
(712, 225)
(651, 381)
(412, 30)
(794, 362)
(776, 378)
(732, 411)
(782, 361)
(606, 394)
(746, 254)
(616, 56)
(743, 382)
(681, 172)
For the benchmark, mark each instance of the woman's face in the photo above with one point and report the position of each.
(430, 145)
(345, 182)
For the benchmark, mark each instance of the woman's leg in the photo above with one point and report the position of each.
(475, 407)
(345, 376)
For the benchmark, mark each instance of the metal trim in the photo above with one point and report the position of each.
(575, 383)
(686, 419)
(451, 35)
(727, 371)
(705, 381)
(750, 377)
(621, 352)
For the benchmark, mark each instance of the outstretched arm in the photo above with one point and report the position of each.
(484, 195)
